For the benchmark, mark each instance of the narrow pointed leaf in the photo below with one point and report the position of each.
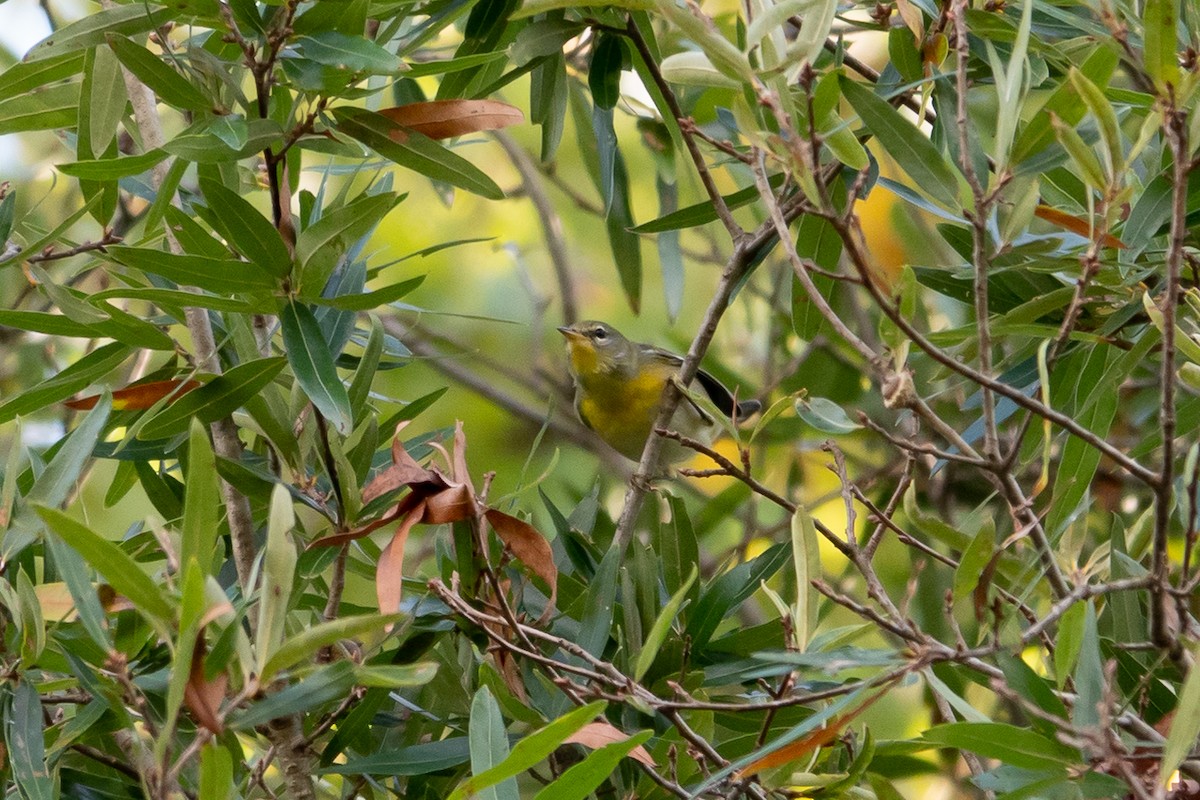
(311, 362)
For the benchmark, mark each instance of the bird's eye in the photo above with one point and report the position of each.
(599, 334)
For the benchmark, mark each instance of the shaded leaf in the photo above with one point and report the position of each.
(113, 563)
(312, 363)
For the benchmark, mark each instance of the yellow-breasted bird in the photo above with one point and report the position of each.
(619, 388)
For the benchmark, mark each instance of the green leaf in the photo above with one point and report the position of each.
(662, 626)
(395, 676)
(26, 745)
(279, 573)
(370, 300)
(416, 151)
(604, 73)
(216, 399)
(1068, 642)
(202, 146)
(115, 565)
(201, 502)
(489, 744)
(103, 98)
(216, 773)
(825, 415)
(530, 751)
(44, 109)
(419, 759)
(1018, 747)
(1160, 21)
(217, 275)
(246, 230)
(312, 363)
(596, 626)
(1098, 67)
(25, 76)
(806, 553)
(92, 29)
(171, 87)
(72, 379)
(1106, 119)
(304, 644)
(583, 778)
(906, 143)
(321, 245)
(728, 590)
(179, 299)
(325, 685)
(1185, 728)
(107, 169)
(676, 546)
(353, 53)
(1089, 673)
(701, 213)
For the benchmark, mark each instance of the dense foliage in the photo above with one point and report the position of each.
(956, 555)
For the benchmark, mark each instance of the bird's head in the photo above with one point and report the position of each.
(597, 347)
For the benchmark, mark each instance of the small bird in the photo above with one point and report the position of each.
(619, 387)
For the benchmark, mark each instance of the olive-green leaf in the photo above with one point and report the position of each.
(218, 398)
(115, 565)
(312, 364)
(171, 87)
(415, 151)
(217, 275)
(905, 142)
(247, 230)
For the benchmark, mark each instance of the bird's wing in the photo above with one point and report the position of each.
(720, 395)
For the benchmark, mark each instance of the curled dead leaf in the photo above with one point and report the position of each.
(202, 696)
(598, 734)
(445, 119)
(138, 397)
(389, 572)
(530, 547)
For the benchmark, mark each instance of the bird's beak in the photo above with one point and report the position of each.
(570, 333)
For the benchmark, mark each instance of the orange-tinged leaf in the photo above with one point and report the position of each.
(203, 697)
(389, 576)
(445, 119)
(1074, 225)
(801, 748)
(529, 546)
(140, 396)
(598, 734)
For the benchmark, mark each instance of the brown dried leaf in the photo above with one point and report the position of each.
(458, 464)
(912, 18)
(445, 119)
(394, 513)
(598, 734)
(139, 396)
(452, 504)
(529, 546)
(389, 577)
(203, 697)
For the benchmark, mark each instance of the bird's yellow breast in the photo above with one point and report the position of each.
(622, 410)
